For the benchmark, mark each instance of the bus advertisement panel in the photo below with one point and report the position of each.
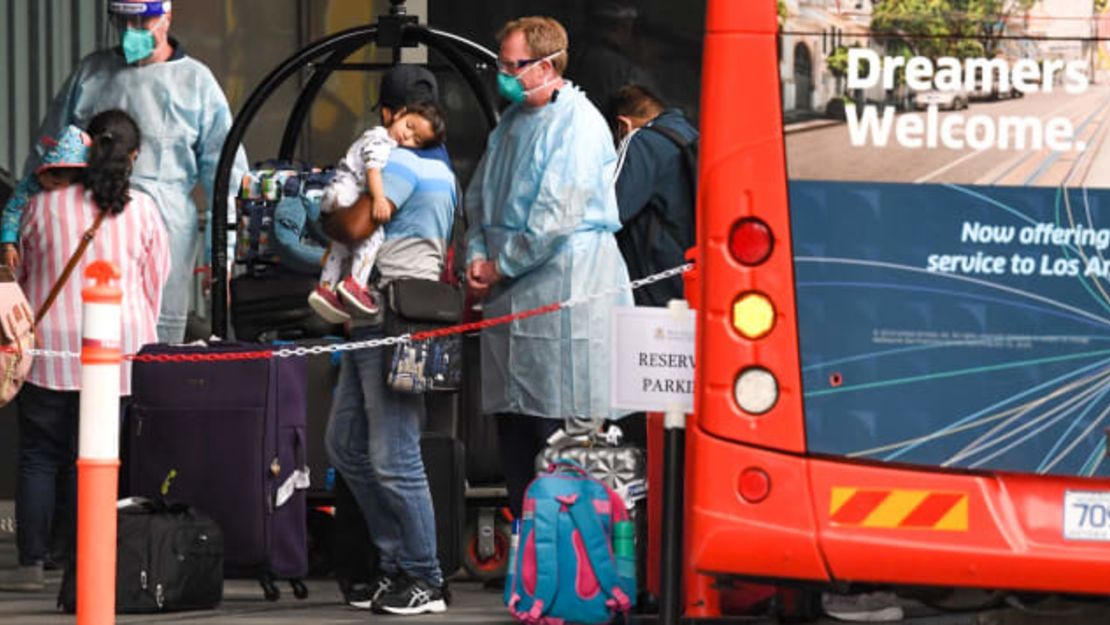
(950, 219)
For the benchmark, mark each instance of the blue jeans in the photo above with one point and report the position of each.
(373, 440)
(46, 493)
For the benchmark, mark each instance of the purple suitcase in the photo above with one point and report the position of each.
(234, 432)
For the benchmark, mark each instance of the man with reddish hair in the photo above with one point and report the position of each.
(542, 213)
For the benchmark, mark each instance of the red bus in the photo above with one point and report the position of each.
(904, 373)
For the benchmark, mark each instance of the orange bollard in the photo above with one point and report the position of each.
(98, 446)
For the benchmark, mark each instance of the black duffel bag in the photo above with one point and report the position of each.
(414, 305)
(169, 558)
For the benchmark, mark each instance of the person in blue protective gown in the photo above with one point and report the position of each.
(542, 212)
(184, 118)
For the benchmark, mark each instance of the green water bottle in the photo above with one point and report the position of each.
(624, 549)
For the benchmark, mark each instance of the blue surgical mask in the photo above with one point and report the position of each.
(137, 44)
(510, 88)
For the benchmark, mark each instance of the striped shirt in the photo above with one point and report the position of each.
(135, 240)
(422, 187)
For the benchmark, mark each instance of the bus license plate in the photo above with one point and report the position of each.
(1087, 515)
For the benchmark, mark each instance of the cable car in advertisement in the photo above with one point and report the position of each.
(903, 311)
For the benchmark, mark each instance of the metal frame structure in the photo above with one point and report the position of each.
(396, 30)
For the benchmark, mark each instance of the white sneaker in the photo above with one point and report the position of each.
(875, 607)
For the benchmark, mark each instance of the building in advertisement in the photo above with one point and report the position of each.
(1063, 29)
(812, 30)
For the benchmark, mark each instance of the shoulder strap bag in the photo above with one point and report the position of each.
(17, 325)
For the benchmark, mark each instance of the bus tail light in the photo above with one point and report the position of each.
(750, 241)
(755, 484)
(756, 390)
(753, 315)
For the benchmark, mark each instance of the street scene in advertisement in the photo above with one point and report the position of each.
(949, 180)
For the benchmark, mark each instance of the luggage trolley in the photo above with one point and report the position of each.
(483, 550)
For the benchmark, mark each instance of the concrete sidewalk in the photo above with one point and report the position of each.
(243, 605)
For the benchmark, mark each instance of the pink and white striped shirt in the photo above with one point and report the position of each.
(135, 240)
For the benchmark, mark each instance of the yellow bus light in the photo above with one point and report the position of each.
(753, 315)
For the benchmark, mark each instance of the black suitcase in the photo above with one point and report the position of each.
(354, 555)
(272, 303)
(445, 465)
(234, 433)
(478, 431)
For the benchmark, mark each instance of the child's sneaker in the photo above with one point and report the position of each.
(327, 305)
(358, 296)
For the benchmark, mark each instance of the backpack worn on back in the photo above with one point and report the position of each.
(563, 569)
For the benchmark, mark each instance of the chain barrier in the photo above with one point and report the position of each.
(313, 350)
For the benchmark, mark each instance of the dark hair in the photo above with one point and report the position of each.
(635, 101)
(114, 137)
(431, 112)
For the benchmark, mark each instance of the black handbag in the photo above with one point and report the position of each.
(430, 365)
(168, 558)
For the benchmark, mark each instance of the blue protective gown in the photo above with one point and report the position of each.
(184, 118)
(542, 204)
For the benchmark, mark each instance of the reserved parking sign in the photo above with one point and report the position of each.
(652, 359)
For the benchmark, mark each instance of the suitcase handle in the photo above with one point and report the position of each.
(567, 465)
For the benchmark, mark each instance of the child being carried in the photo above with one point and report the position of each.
(62, 165)
(343, 282)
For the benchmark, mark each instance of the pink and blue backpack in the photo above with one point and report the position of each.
(564, 570)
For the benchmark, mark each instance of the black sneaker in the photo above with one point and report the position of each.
(363, 596)
(415, 597)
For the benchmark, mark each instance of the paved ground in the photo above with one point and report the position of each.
(243, 605)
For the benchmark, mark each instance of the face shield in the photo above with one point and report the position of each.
(135, 12)
(133, 23)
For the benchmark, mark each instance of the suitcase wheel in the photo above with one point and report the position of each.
(484, 567)
(269, 589)
(300, 591)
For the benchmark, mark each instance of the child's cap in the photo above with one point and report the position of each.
(69, 150)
